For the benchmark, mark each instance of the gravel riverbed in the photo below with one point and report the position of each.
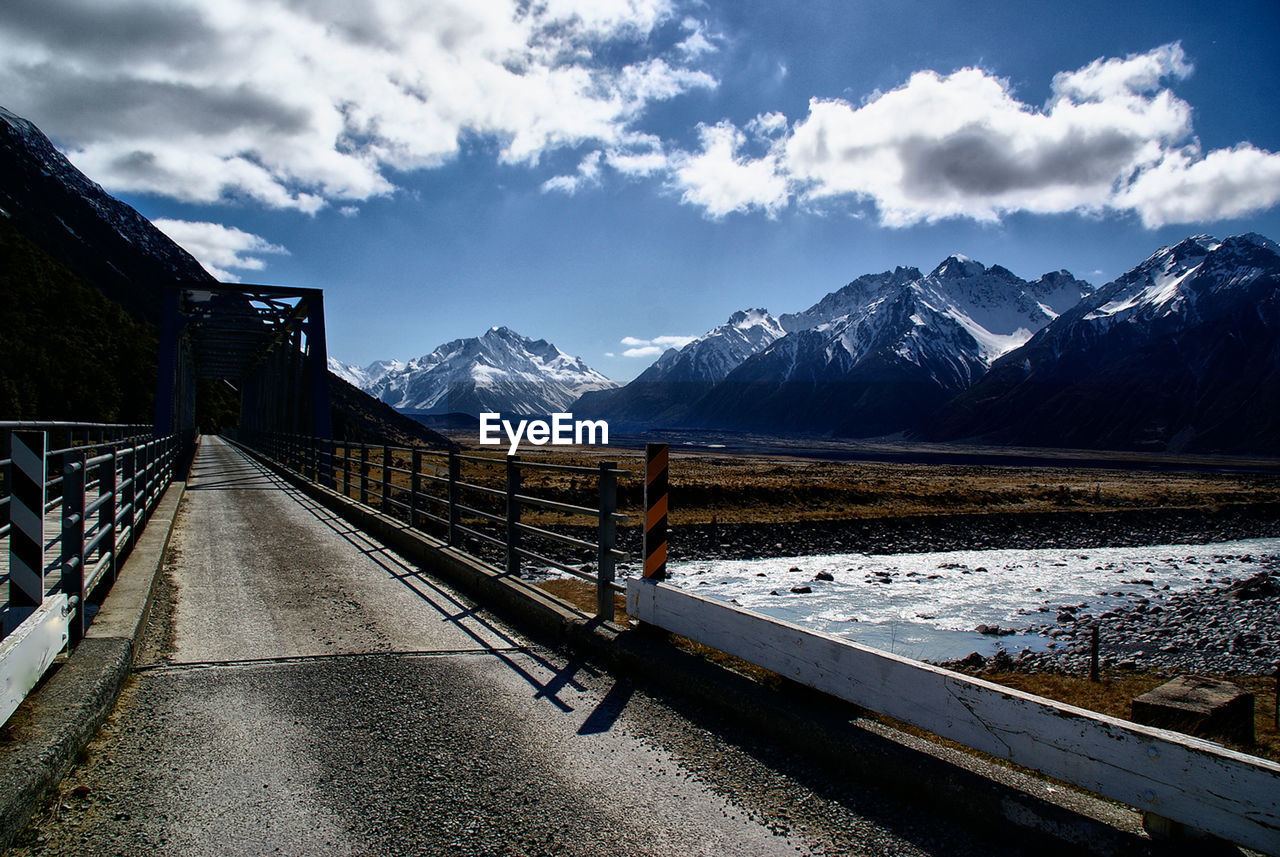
(1221, 628)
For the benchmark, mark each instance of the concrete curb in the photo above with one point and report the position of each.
(57, 721)
(976, 793)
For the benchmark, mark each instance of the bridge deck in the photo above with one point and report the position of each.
(305, 689)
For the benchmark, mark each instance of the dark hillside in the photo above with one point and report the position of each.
(69, 352)
(96, 236)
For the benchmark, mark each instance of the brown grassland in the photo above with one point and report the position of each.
(755, 488)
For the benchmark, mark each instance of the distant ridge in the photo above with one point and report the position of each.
(499, 371)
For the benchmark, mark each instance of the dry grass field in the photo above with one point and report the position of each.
(749, 488)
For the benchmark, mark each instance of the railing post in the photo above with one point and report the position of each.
(415, 485)
(107, 513)
(607, 540)
(513, 515)
(386, 478)
(73, 540)
(143, 477)
(655, 511)
(27, 453)
(326, 463)
(346, 469)
(455, 476)
(364, 474)
(129, 494)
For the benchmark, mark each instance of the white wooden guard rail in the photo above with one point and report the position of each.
(1200, 783)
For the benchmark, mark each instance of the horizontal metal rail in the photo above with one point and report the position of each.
(480, 513)
(479, 535)
(555, 537)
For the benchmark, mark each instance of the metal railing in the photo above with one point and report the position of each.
(62, 438)
(445, 493)
(72, 513)
(105, 482)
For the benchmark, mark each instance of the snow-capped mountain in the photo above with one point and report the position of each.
(364, 376)
(1182, 352)
(680, 376)
(851, 298)
(887, 349)
(719, 351)
(74, 220)
(500, 371)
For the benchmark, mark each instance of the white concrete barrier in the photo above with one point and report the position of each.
(28, 652)
(1200, 783)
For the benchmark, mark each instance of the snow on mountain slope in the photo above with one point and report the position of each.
(1175, 287)
(952, 323)
(677, 378)
(850, 298)
(364, 377)
(1179, 353)
(500, 371)
(903, 343)
(716, 353)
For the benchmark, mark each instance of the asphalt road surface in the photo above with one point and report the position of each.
(304, 690)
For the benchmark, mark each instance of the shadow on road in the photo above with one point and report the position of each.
(452, 609)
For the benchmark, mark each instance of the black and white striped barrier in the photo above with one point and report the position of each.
(26, 520)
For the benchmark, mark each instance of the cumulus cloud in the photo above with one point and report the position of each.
(1225, 183)
(218, 247)
(1112, 137)
(721, 180)
(637, 347)
(299, 104)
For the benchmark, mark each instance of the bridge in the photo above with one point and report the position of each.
(319, 647)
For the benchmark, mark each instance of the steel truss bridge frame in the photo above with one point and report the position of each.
(266, 342)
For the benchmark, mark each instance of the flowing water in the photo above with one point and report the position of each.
(928, 605)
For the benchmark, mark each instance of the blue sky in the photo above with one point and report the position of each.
(607, 174)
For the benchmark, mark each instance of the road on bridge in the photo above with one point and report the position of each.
(305, 690)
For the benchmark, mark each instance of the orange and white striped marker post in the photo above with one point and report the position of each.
(655, 511)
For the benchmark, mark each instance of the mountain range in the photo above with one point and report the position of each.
(500, 371)
(885, 351)
(1179, 354)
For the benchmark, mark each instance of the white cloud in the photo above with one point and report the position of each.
(297, 104)
(721, 180)
(696, 43)
(638, 156)
(962, 145)
(219, 247)
(1225, 183)
(655, 347)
